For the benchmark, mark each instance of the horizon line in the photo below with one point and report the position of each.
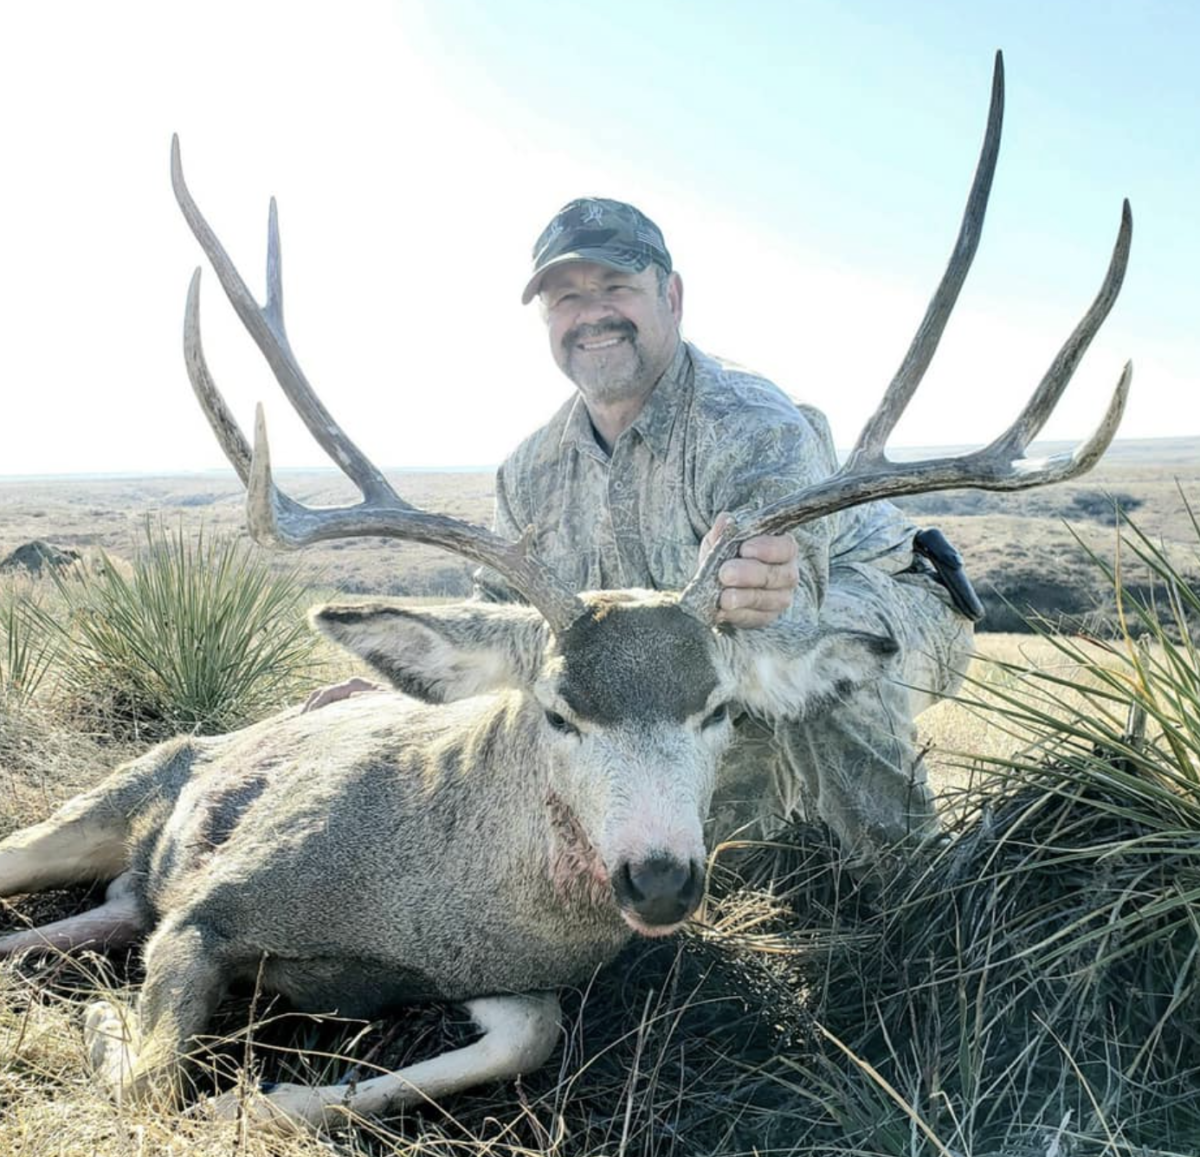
(907, 452)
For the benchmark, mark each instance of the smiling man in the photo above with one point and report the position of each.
(623, 488)
(628, 484)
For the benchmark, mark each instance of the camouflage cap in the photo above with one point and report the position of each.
(596, 229)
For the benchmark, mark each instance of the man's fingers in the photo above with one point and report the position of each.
(757, 586)
(315, 700)
(747, 572)
(770, 548)
(323, 696)
(772, 601)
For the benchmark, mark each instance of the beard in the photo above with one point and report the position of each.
(614, 374)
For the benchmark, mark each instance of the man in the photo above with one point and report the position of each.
(629, 483)
(631, 478)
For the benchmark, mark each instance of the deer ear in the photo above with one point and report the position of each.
(789, 674)
(441, 653)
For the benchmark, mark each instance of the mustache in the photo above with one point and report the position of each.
(586, 332)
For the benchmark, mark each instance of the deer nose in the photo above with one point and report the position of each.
(659, 890)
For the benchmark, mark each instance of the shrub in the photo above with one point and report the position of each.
(27, 649)
(197, 636)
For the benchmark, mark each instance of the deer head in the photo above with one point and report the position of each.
(625, 715)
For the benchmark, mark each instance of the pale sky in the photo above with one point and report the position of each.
(807, 161)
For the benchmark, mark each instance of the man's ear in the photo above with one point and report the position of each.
(675, 296)
(787, 674)
(441, 653)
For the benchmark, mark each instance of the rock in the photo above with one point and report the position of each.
(38, 555)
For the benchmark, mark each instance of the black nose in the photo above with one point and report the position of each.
(660, 890)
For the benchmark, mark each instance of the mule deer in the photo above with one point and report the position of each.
(535, 796)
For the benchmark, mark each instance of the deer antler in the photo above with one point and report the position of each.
(867, 474)
(277, 520)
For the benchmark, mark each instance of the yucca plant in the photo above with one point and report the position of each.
(27, 648)
(201, 635)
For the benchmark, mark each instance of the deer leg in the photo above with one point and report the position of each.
(519, 1034)
(133, 1053)
(86, 839)
(114, 924)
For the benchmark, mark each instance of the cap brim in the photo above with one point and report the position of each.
(597, 256)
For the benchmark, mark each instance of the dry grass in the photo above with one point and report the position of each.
(966, 734)
(111, 513)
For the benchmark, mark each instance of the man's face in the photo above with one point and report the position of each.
(612, 333)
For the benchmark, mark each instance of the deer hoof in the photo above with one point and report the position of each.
(104, 1030)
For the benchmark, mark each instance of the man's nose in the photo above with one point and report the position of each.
(595, 307)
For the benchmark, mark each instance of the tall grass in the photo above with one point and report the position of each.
(27, 650)
(201, 635)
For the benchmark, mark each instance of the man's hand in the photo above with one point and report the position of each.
(757, 586)
(323, 696)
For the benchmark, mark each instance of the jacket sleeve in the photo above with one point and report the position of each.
(759, 454)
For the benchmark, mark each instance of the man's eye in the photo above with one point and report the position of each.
(715, 716)
(560, 724)
(565, 299)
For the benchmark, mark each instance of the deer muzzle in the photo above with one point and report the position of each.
(658, 893)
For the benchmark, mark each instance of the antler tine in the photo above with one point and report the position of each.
(274, 307)
(1061, 467)
(267, 329)
(875, 433)
(220, 418)
(275, 519)
(216, 410)
(867, 474)
(1040, 406)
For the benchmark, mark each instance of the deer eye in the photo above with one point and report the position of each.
(715, 716)
(560, 724)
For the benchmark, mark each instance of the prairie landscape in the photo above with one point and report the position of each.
(1028, 989)
(1020, 549)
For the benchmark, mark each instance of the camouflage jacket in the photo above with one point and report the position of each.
(711, 437)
